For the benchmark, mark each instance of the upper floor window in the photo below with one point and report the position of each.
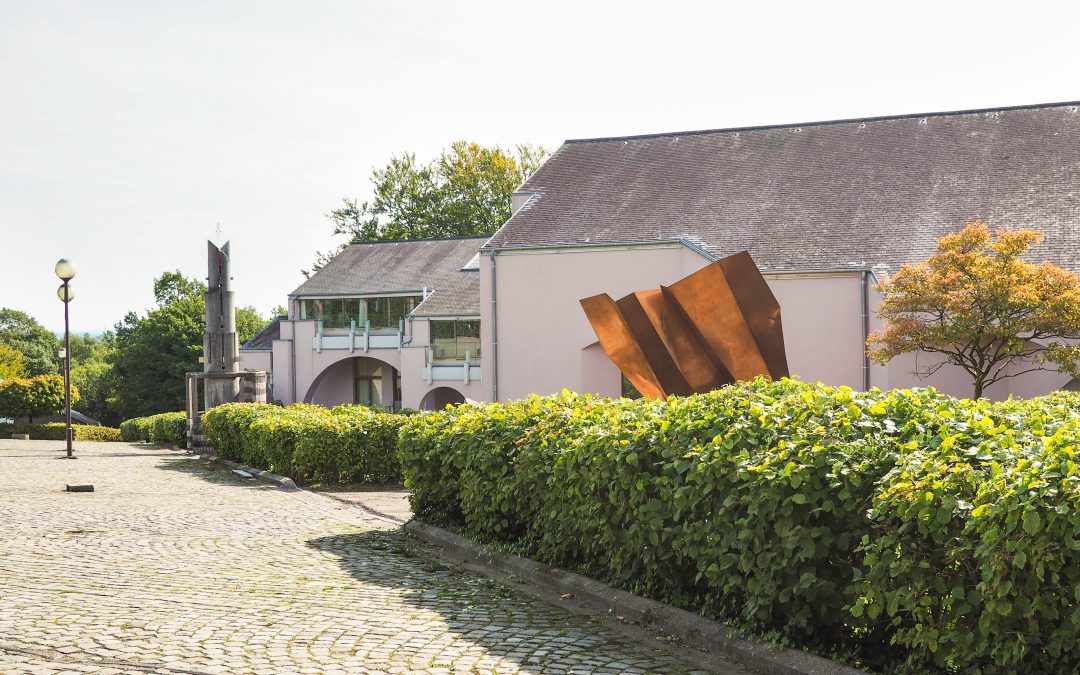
(337, 314)
(452, 340)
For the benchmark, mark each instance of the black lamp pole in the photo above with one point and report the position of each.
(65, 269)
(67, 370)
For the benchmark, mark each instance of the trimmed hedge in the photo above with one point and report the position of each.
(54, 431)
(910, 530)
(347, 444)
(162, 428)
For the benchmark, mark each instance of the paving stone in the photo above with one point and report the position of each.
(176, 566)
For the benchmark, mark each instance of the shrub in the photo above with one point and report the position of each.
(224, 426)
(161, 428)
(924, 531)
(34, 397)
(54, 431)
(352, 444)
(348, 444)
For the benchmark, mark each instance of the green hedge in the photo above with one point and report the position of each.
(348, 444)
(914, 531)
(163, 428)
(54, 431)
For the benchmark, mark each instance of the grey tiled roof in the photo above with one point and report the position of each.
(398, 266)
(264, 339)
(875, 192)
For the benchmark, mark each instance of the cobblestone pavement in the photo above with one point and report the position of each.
(173, 566)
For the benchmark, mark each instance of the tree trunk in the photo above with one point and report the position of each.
(978, 388)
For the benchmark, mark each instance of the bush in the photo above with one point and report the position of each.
(348, 444)
(54, 431)
(224, 426)
(162, 428)
(34, 397)
(920, 531)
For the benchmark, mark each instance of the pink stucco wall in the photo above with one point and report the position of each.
(327, 378)
(545, 342)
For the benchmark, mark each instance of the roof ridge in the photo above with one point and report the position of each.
(818, 123)
(406, 241)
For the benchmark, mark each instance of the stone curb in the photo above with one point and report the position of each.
(692, 629)
(272, 478)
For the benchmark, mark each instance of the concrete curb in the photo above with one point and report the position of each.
(272, 478)
(692, 629)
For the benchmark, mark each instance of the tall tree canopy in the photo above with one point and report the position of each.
(36, 344)
(465, 191)
(153, 353)
(978, 305)
(11, 363)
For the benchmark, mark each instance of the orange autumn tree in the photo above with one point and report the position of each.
(981, 307)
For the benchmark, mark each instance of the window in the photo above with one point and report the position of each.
(452, 340)
(368, 382)
(337, 314)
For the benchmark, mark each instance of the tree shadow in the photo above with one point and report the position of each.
(210, 473)
(505, 625)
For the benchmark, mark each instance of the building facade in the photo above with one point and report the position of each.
(391, 324)
(825, 209)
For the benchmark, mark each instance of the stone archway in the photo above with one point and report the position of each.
(440, 397)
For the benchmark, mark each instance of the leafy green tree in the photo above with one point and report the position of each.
(92, 373)
(981, 307)
(36, 344)
(11, 363)
(34, 397)
(465, 191)
(153, 353)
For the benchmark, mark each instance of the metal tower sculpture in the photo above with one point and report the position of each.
(716, 326)
(221, 348)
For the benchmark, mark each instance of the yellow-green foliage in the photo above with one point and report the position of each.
(918, 531)
(162, 428)
(348, 444)
(54, 431)
(34, 396)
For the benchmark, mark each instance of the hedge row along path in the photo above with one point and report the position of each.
(174, 566)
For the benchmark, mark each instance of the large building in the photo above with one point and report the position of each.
(826, 209)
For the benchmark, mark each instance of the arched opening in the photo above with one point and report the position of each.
(440, 397)
(361, 380)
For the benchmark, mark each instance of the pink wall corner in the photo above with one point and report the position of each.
(542, 329)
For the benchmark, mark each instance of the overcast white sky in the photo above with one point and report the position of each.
(128, 129)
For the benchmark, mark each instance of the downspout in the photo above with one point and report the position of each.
(292, 350)
(865, 301)
(494, 336)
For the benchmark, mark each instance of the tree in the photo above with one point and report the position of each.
(11, 363)
(36, 344)
(981, 307)
(153, 353)
(465, 191)
(92, 373)
(34, 397)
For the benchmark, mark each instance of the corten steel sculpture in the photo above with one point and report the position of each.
(718, 325)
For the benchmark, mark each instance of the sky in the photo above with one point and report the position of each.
(130, 130)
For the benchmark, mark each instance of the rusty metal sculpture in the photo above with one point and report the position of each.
(718, 325)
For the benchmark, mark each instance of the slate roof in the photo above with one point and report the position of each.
(400, 266)
(264, 339)
(873, 192)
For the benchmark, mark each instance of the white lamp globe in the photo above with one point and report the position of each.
(65, 292)
(65, 269)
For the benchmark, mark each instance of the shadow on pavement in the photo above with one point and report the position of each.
(505, 624)
(208, 472)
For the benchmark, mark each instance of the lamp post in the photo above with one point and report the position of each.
(65, 269)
